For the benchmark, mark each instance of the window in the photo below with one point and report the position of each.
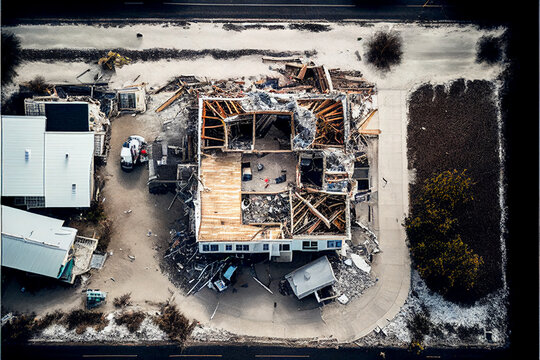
(214, 247)
(266, 247)
(206, 248)
(238, 247)
(330, 244)
(284, 247)
(245, 247)
(309, 245)
(228, 247)
(338, 243)
(127, 101)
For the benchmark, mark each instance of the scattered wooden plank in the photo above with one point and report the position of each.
(176, 95)
(314, 211)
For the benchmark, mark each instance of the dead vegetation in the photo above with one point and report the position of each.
(23, 326)
(122, 301)
(48, 319)
(19, 329)
(39, 86)
(174, 323)
(82, 319)
(132, 320)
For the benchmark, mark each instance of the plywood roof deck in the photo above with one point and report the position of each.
(221, 212)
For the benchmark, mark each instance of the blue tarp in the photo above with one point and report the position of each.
(229, 272)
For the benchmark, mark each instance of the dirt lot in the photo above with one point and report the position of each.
(456, 127)
(143, 232)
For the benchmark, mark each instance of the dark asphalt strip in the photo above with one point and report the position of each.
(151, 54)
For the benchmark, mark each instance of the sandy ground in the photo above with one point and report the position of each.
(435, 52)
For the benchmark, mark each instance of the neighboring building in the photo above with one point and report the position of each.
(277, 180)
(43, 168)
(72, 116)
(41, 245)
(132, 98)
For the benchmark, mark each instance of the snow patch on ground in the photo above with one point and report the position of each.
(204, 333)
(451, 320)
(148, 331)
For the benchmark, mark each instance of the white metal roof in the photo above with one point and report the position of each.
(34, 243)
(311, 277)
(23, 140)
(68, 168)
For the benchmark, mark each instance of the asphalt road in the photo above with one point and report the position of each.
(235, 352)
(30, 11)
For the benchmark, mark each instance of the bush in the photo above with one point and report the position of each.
(96, 213)
(132, 319)
(19, 329)
(174, 323)
(11, 56)
(48, 320)
(81, 319)
(122, 301)
(489, 49)
(38, 85)
(384, 50)
(104, 237)
(419, 326)
(443, 260)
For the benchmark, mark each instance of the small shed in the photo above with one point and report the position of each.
(311, 277)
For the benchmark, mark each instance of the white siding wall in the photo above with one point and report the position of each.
(61, 172)
(21, 177)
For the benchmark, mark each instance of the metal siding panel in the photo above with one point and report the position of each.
(21, 177)
(61, 173)
(36, 259)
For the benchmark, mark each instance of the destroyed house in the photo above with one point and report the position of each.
(52, 169)
(41, 245)
(276, 175)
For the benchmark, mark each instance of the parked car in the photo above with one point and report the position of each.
(133, 152)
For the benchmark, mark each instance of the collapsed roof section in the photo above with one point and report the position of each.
(243, 124)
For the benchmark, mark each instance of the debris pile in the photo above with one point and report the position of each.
(270, 208)
(318, 213)
(352, 280)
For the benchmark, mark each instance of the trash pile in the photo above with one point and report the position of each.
(271, 208)
(353, 273)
